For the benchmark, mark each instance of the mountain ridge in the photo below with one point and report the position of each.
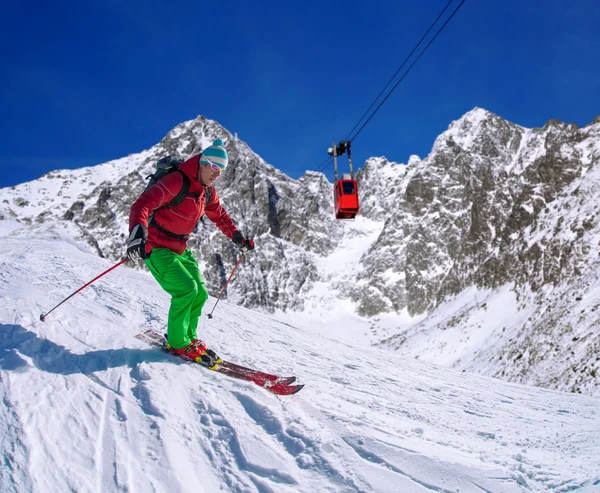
(494, 204)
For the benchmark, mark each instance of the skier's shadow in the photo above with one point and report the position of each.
(48, 356)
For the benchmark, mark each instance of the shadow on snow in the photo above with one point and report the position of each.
(48, 356)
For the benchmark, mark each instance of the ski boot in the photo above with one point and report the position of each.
(210, 359)
(198, 352)
(193, 351)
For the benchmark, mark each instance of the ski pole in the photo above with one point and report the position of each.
(44, 315)
(225, 287)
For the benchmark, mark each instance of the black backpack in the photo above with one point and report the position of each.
(165, 166)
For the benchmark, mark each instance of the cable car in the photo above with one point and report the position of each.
(345, 191)
(346, 198)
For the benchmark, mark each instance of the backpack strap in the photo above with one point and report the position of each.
(152, 223)
(177, 200)
(183, 193)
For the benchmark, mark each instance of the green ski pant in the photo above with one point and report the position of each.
(180, 276)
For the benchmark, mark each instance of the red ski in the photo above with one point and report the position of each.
(273, 383)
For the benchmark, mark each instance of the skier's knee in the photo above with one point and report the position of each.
(202, 294)
(192, 290)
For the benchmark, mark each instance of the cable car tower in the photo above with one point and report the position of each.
(345, 191)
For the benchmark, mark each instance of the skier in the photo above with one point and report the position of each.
(159, 235)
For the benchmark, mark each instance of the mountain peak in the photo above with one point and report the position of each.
(473, 128)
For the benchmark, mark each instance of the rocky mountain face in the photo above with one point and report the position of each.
(466, 214)
(493, 204)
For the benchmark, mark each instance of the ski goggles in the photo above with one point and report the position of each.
(217, 167)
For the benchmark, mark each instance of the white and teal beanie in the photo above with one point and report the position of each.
(216, 154)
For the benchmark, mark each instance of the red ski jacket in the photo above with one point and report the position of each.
(180, 219)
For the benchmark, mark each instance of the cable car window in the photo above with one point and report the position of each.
(348, 187)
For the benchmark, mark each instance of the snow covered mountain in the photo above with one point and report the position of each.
(86, 407)
(512, 213)
(499, 210)
(291, 220)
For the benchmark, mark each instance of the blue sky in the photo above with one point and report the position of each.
(86, 82)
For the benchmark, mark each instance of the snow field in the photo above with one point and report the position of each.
(87, 407)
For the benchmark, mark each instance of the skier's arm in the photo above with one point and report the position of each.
(215, 212)
(161, 193)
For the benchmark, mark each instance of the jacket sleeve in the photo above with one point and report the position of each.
(161, 193)
(215, 212)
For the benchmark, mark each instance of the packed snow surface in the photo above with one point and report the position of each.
(87, 407)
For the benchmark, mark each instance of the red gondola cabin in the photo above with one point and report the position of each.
(345, 191)
(346, 198)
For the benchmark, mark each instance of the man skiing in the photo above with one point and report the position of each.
(159, 233)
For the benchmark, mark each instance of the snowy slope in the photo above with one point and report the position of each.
(86, 407)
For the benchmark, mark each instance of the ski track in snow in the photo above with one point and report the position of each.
(86, 407)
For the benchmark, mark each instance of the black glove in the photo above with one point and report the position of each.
(245, 243)
(136, 245)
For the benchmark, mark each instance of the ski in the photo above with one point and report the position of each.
(273, 383)
(160, 340)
